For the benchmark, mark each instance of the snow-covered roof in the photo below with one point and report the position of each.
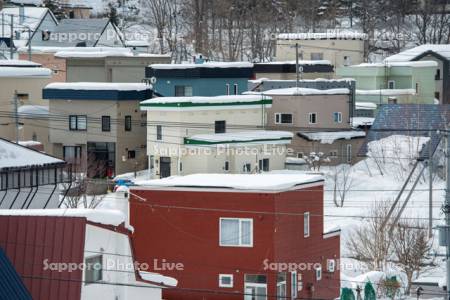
(386, 92)
(25, 72)
(328, 137)
(102, 54)
(29, 143)
(33, 110)
(158, 278)
(303, 92)
(201, 101)
(245, 137)
(101, 216)
(203, 65)
(361, 121)
(295, 161)
(413, 64)
(410, 54)
(18, 63)
(100, 86)
(16, 156)
(137, 43)
(300, 62)
(365, 105)
(32, 17)
(333, 34)
(252, 182)
(55, 49)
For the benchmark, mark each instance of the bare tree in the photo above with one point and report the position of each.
(370, 243)
(341, 176)
(411, 245)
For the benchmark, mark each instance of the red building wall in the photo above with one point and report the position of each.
(183, 227)
(28, 241)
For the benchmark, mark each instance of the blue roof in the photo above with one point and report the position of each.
(412, 120)
(11, 285)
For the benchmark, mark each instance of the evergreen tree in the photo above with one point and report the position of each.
(369, 292)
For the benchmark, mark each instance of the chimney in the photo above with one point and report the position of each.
(21, 15)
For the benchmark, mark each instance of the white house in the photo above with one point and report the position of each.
(218, 134)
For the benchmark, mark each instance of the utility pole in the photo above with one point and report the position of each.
(12, 37)
(446, 210)
(29, 43)
(430, 171)
(297, 71)
(16, 116)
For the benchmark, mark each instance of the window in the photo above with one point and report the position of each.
(77, 123)
(127, 123)
(438, 75)
(347, 61)
(236, 232)
(391, 84)
(281, 118)
(94, 269)
(333, 153)
(392, 100)
(417, 88)
(331, 265)
(71, 153)
(219, 126)
(281, 286)
(22, 97)
(318, 273)
(337, 117)
(158, 132)
(183, 91)
(226, 280)
(312, 118)
(131, 154)
(226, 166)
(316, 56)
(294, 287)
(227, 92)
(300, 154)
(255, 287)
(349, 153)
(106, 123)
(236, 89)
(247, 168)
(264, 165)
(306, 232)
(437, 95)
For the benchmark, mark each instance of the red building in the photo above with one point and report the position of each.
(228, 236)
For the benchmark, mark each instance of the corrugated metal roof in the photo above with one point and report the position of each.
(411, 120)
(11, 285)
(29, 241)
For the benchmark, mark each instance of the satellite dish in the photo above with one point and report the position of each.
(153, 80)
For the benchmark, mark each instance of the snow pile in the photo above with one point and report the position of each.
(443, 50)
(328, 137)
(262, 182)
(29, 143)
(158, 278)
(413, 64)
(203, 65)
(15, 156)
(361, 121)
(386, 92)
(101, 216)
(100, 86)
(256, 136)
(302, 92)
(295, 160)
(206, 100)
(33, 110)
(25, 72)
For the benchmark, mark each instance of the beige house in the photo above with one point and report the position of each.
(340, 48)
(320, 121)
(99, 127)
(21, 84)
(220, 134)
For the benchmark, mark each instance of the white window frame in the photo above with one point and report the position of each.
(393, 84)
(310, 116)
(348, 152)
(278, 116)
(294, 285)
(227, 88)
(306, 224)
(331, 265)
(224, 285)
(339, 117)
(318, 271)
(240, 232)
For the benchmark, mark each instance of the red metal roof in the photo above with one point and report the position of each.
(29, 240)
